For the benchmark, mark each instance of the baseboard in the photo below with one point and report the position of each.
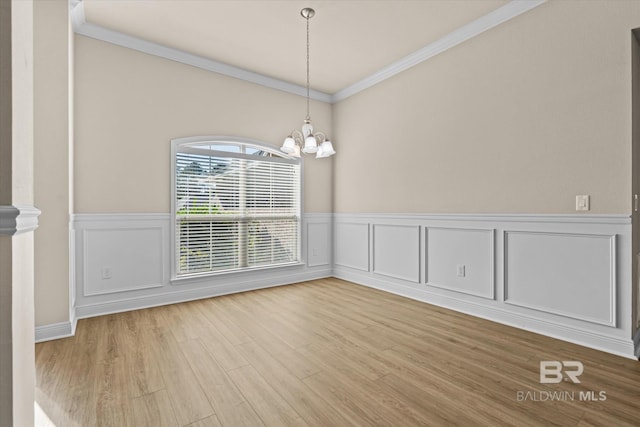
(55, 331)
(181, 295)
(636, 344)
(68, 329)
(610, 344)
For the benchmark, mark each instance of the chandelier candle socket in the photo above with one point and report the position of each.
(307, 141)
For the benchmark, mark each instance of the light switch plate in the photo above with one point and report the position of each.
(582, 203)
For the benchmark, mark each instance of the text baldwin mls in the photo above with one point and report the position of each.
(545, 396)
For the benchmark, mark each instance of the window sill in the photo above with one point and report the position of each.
(228, 273)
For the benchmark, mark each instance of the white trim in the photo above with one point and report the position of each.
(492, 277)
(55, 331)
(612, 279)
(613, 219)
(78, 219)
(369, 245)
(188, 288)
(373, 240)
(614, 337)
(85, 256)
(307, 230)
(636, 344)
(97, 32)
(76, 8)
(611, 344)
(505, 13)
(172, 297)
(462, 34)
(18, 219)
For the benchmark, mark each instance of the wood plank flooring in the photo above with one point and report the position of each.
(321, 353)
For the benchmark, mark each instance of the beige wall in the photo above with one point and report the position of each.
(52, 164)
(129, 106)
(520, 119)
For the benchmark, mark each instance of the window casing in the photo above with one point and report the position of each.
(236, 205)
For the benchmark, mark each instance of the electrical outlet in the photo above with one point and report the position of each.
(106, 273)
(460, 270)
(582, 202)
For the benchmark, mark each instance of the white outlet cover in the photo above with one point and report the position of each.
(582, 202)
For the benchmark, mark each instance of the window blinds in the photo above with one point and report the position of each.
(235, 210)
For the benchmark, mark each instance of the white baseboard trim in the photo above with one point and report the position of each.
(181, 295)
(55, 331)
(622, 347)
(636, 344)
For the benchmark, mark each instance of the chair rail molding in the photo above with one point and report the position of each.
(18, 219)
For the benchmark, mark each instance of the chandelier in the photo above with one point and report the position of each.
(307, 141)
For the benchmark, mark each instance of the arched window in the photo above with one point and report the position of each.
(235, 206)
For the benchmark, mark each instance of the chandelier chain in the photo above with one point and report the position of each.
(308, 68)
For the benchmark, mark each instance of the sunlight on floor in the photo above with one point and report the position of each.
(41, 419)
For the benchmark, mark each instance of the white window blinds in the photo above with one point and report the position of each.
(237, 206)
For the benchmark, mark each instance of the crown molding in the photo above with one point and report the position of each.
(18, 219)
(462, 34)
(87, 29)
(76, 8)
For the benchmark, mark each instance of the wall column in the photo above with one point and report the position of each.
(18, 217)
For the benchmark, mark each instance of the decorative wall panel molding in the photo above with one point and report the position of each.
(318, 244)
(567, 276)
(123, 259)
(351, 247)
(396, 251)
(572, 275)
(461, 260)
(122, 262)
(521, 270)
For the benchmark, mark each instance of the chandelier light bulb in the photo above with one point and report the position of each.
(310, 145)
(325, 150)
(289, 145)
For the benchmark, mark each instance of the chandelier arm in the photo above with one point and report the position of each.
(320, 137)
(297, 136)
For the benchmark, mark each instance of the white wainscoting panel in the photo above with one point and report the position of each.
(351, 245)
(318, 244)
(396, 251)
(565, 276)
(472, 249)
(571, 275)
(135, 251)
(123, 259)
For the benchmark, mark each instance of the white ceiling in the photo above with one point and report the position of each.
(350, 39)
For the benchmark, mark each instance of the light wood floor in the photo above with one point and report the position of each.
(321, 353)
